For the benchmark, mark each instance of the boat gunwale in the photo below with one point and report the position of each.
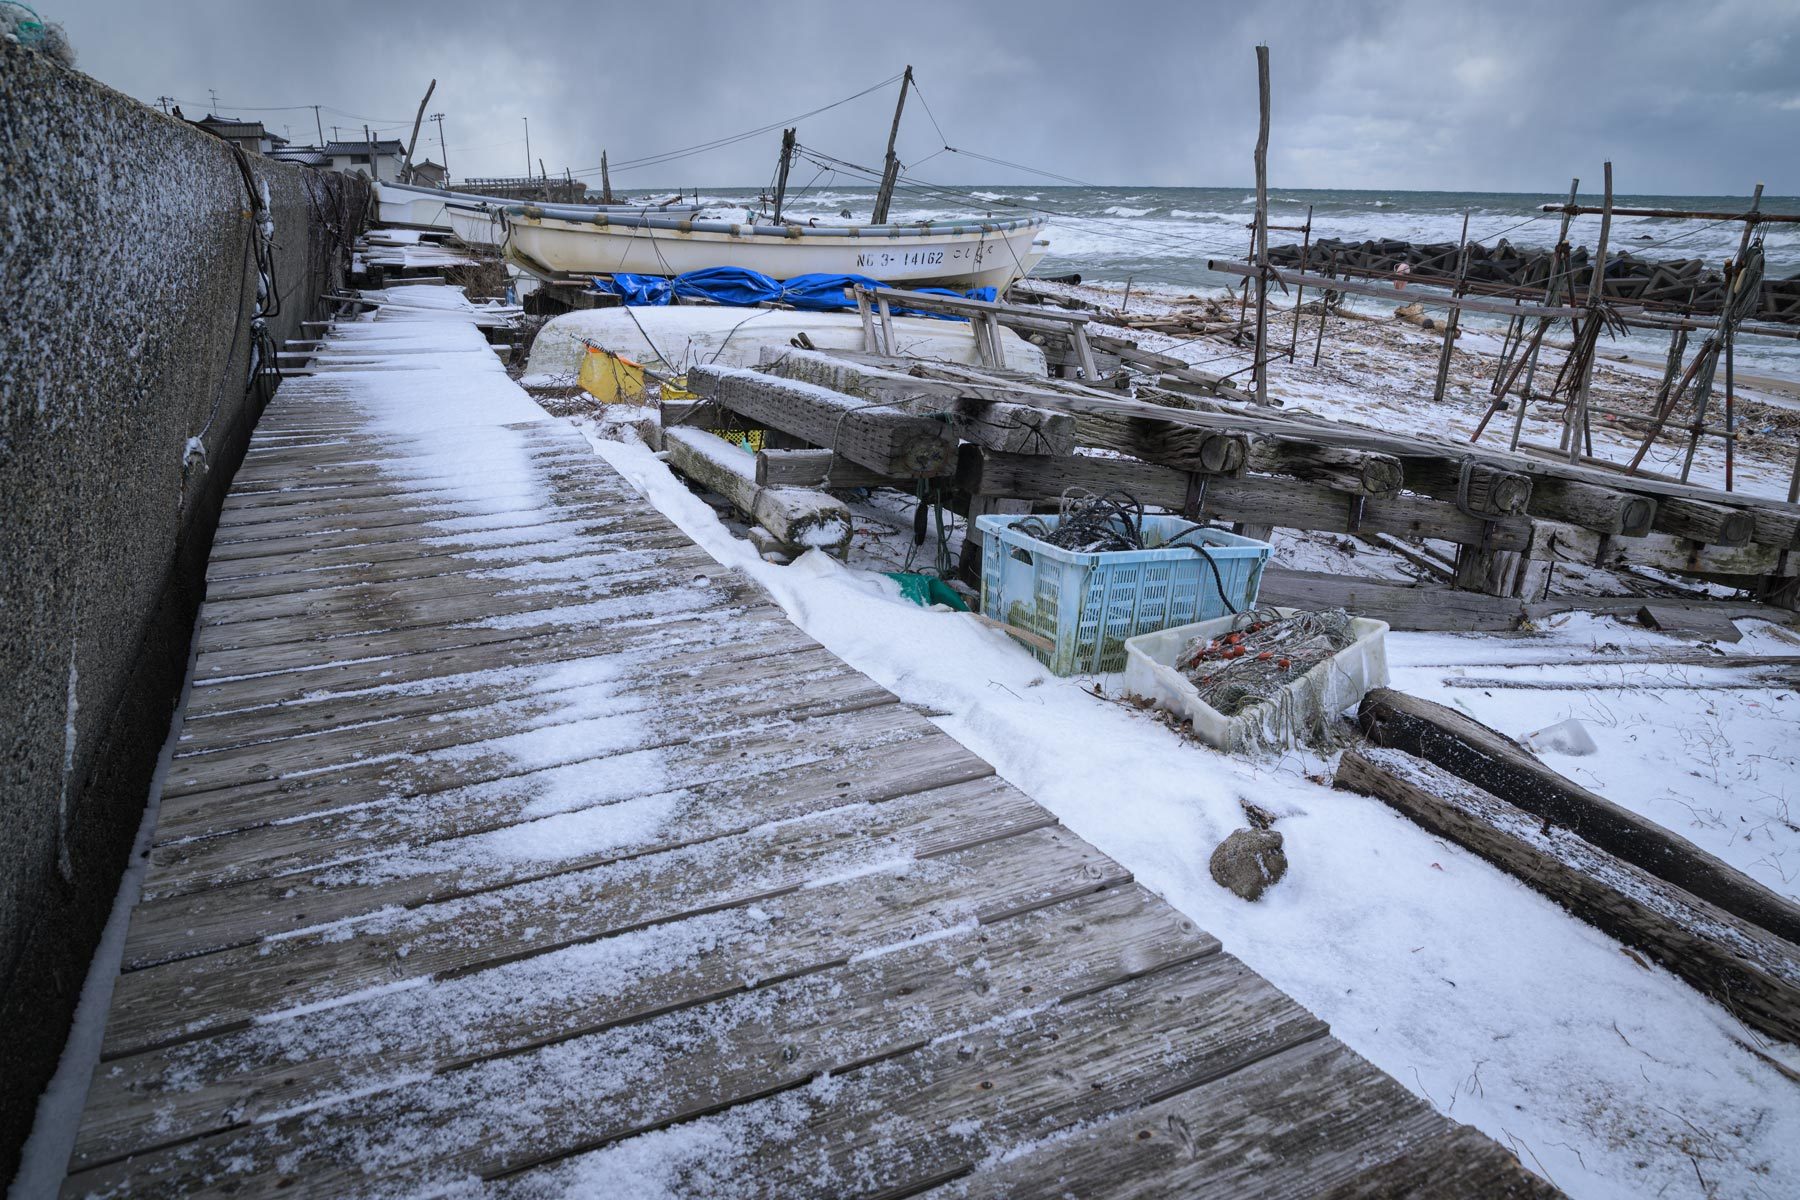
(640, 219)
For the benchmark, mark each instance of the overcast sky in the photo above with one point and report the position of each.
(1684, 97)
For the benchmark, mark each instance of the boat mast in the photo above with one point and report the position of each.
(605, 181)
(787, 156)
(891, 169)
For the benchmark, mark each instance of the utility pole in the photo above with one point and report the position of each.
(527, 121)
(164, 102)
(891, 169)
(319, 127)
(213, 92)
(442, 151)
(787, 156)
(419, 119)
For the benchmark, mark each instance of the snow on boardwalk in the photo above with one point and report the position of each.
(513, 845)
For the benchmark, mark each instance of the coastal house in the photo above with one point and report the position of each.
(429, 174)
(252, 136)
(380, 159)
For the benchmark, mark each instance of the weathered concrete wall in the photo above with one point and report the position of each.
(127, 285)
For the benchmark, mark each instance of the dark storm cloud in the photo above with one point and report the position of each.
(1683, 97)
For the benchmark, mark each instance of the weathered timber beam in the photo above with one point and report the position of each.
(1015, 428)
(1557, 541)
(1403, 606)
(1698, 521)
(1164, 442)
(799, 520)
(885, 440)
(1490, 760)
(1601, 509)
(817, 469)
(1251, 499)
(1754, 974)
(1485, 489)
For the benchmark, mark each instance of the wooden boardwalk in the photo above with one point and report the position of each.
(514, 846)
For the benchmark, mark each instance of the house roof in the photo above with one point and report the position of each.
(231, 127)
(309, 156)
(381, 146)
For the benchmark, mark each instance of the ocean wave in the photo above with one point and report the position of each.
(1120, 210)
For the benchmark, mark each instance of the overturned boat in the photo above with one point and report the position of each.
(558, 241)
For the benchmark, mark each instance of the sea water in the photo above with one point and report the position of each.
(1158, 239)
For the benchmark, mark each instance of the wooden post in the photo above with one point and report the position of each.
(1578, 404)
(1450, 321)
(1552, 291)
(1721, 341)
(787, 157)
(1324, 311)
(891, 168)
(1262, 225)
(406, 171)
(606, 196)
(1300, 290)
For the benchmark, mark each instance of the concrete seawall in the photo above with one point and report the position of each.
(129, 278)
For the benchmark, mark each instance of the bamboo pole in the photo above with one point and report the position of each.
(1262, 225)
(1450, 322)
(1577, 420)
(1722, 342)
(1300, 292)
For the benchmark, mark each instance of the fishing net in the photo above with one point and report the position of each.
(1254, 664)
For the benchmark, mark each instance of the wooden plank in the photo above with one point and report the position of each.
(765, 1040)
(267, 1068)
(195, 997)
(1751, 972)
(1496, 763)
(408, 751)
(638, 594)
(1297, 1124)
(873, 750)
(597, 572)
(1701, 625)
(817, 469)
(882, 439)
(646, 546)
(1402, 606)
(405, 659)
(238, 913)
(932, 1115)
(647, 665)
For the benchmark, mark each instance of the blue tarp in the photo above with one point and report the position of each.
(741, 287)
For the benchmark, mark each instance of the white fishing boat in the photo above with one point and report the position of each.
(476, 225)
(556, 241)
(410, 206)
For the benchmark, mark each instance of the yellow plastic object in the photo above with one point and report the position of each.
(745, 439)
(610, 377)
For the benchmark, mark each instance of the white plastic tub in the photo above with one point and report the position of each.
(1301, 705)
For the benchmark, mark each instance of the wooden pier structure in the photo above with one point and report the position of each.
(513, 845)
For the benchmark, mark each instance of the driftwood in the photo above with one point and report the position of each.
(799, 520)
(1490, 760)
(886, 440)
(1749, 970)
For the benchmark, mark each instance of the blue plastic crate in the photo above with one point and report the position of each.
(1088, 604)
